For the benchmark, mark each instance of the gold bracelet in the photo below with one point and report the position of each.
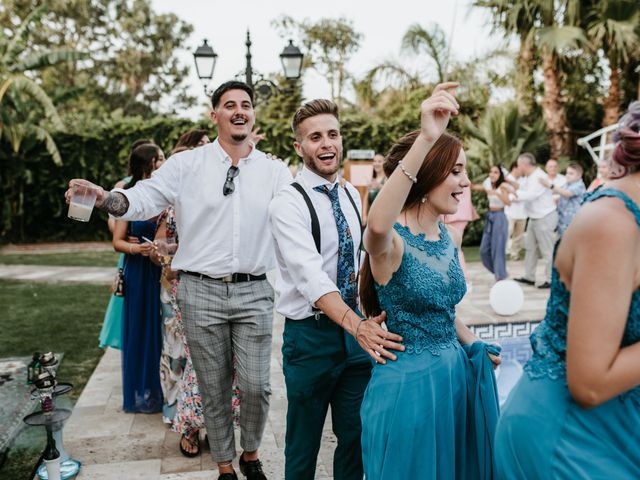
(404, 170)
(344, 315)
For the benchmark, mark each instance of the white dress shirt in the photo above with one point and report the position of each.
(515, 211)
(303, 274)
(537, 198)
(559, 182)
(219, 235)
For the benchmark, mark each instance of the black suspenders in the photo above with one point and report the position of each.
(315, 223)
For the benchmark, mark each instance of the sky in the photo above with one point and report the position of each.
(225, 23)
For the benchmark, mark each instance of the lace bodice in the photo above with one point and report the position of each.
(549, 340)
(421, 297)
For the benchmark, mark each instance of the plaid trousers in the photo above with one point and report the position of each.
(222, 320)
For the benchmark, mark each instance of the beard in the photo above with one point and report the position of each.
(319, 167)
(239, 137)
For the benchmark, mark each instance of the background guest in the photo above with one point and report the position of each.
(378, 178)
(111, 332)
(141, 331)
(543, 220)
(516, 214)
(556, 178)
(496, 227)
(570, 196)
(602, 176)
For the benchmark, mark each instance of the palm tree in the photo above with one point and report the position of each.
(431, 42)
(500, 136)
(612, 25)
(518, 17)
(554, 27)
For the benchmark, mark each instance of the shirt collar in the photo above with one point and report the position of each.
(313, 180)
(224, 156)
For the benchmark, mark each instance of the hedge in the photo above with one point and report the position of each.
(32, 186)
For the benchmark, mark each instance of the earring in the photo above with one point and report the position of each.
(424, 199)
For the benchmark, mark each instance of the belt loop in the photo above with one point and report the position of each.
(316, 316)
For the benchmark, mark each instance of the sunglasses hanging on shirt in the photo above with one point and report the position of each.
(229, 187)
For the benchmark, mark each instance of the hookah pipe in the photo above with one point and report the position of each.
(45, 383)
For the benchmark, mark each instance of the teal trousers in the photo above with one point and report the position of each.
(323, 366)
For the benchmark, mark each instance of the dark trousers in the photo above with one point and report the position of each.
(323, 365)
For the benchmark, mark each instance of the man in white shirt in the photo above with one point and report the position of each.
(516, 214)
(221, 194)
(317, 231)
(556, 179)
(543, 219)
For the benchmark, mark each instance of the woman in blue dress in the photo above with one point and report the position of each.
(111, 332)
(431, 413)
(141, 323)
(575, 413)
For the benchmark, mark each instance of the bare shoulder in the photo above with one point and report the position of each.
(455, 235)
(606, 219)
(604, 232)
(120, 184)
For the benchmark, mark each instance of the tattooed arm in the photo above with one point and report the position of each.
(114, 203)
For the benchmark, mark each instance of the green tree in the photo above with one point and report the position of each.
(555, 28)
(132, 66)
(518, 17)
(613, 26)
(28, 116)
(329, 44)
(500, 136)
(432, 42)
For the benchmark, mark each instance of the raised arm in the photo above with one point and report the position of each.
(435, 114)
(599, 265)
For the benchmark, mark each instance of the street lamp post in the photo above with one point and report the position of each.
(291, 58)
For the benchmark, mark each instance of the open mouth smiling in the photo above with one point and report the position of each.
(456, 196)
(239, 121)
(327, 157)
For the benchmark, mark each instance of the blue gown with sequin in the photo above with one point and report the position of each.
(543, 433)
(430, 414)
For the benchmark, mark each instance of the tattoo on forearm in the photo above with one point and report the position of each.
(115, 203)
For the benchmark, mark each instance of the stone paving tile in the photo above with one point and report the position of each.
(142, 470)
(127, 447)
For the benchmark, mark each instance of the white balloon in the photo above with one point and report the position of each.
(506, 297)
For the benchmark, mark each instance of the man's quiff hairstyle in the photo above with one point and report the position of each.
(312, 109)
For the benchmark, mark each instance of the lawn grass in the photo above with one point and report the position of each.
(471, 254)
(75, 259)
(50, 317)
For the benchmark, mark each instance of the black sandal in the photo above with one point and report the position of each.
(193, 439)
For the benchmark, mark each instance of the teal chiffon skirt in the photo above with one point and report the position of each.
(111, 333)
(431, 417)
(544, 434)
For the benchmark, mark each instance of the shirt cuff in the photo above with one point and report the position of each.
(316, 287)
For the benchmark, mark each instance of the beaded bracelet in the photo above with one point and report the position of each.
(404, 170)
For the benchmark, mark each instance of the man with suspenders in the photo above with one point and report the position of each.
(317, 230)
